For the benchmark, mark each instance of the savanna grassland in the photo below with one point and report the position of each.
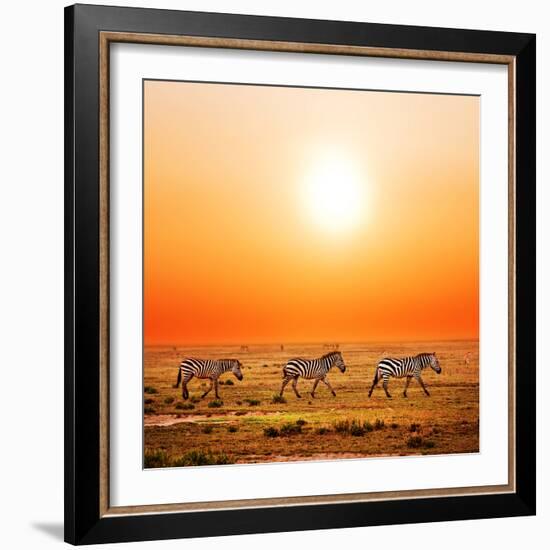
(251, 424)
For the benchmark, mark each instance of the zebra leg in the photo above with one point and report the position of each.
(216, 388)
(314, 386)
(421, 382)
(184, 390)
(285, 382)
(374, 382)
(294, 383)
(408, 381)
(327, 383)
(179, 378)
(209, 389)
(385, 385)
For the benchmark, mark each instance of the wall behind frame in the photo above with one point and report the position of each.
(31, 278)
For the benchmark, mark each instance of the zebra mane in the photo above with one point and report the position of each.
(330, 354)
(420, 355)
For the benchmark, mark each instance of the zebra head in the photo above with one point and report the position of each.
(434, 363)
(336, 360)
(236, 369)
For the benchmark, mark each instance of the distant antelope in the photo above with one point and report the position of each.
(405, 367)
(206, 368)
(312, 368)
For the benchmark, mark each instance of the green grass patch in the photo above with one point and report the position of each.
(207, 429)
(155, 459)
(415, 442)
(168, 400)
(150, 389)
(290, 429)
(149, 410)
(229, 382)
(253, 402)
(201, 458)
(216, 404)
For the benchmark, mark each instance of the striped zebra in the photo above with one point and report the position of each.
(409, 367)
(312, 368)
(206, 368)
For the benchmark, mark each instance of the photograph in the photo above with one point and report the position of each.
(310, 273)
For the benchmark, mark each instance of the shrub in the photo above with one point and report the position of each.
(300, 422)
(341, 426)
(414, 442)
(185, 406)
(195, 399)
(169, 400)
(271, 432)
(252, 402)
(215, 404)
(207, 429)
(322, 430)
(149, 410)
(394, 426)
(240, 413)
(414, 427)
(155, 459)
(278, 399)
(379, 424)
(149, 400)
(150, 389)
(232, 429)
(368, 426)
(356, 429)
(239, 402)
(229, 383)
(290, 429)
(429, 444)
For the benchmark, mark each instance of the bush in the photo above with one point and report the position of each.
(240, 413)
(414, 442)
(356, 429)
(300, 422)
(149, 410)
(429, 444)
(379, 424)
(232, 429)
(252, 402)
(229, 383)
(239, 402)
(150, 389)
(368, 426)
(322, 430)
(271, 432)
(341, 426)
(155, 459)
(394, 426)
(149, 400)
(278, 399)
(290, 429)
(185, 406)
(169, 400)
(207, 429)
(195, 399)
(414, 427)
(215, 404)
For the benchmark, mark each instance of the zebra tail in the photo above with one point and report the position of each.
(179, 378)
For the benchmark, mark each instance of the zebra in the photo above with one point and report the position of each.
(312, 368)
(206, 368)
(405, 367)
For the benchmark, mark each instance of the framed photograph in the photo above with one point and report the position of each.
(300, 274)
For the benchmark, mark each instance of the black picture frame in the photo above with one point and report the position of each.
(84, 523)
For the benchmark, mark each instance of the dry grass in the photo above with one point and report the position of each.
(258, 427)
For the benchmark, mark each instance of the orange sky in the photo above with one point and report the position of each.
(235, 252)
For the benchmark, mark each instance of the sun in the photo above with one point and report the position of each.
(334, 194)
